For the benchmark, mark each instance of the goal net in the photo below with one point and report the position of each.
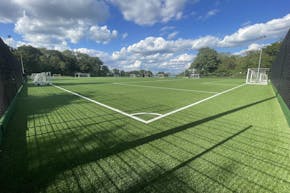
(56, 75)
(257, 76)
(80, 74)
(193, 75)
(132, 75)
(41, 79)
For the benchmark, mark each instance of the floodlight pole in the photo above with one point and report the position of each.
(259, 65)
(22, 63)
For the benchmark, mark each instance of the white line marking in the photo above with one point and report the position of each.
(145, 113)
(101, 104)
(156, 118)
(148, 81)
(191, 105)
(166, 88)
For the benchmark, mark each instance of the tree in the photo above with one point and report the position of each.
(228, 64)
(270, 53)
(66, 62)
(30, 57)
(206, 61)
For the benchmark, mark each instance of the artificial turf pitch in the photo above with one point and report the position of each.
(59, 142)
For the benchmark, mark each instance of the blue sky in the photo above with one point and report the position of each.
(157, 35)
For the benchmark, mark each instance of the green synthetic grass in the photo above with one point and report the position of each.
(58, 142)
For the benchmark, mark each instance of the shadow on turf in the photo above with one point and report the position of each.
(141, 186)
(13, 155)
(61, 160)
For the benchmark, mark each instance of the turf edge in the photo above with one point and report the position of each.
(8, 114)
(283, 105)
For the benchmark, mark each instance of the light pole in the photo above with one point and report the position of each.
(22, 63)
(260, 57)
(259, 64)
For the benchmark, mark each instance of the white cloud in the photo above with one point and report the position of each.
(246, 23)
(150, 12)
(159, 54)
(8, 11)
(251, 47)
(179, 62)
(211, 13)
(206, 41)
(275, 28)
(53, 24)
(167, 28)
(13, 43)
(125, 35)
(134, 66)
(172, 35)
(102, 34)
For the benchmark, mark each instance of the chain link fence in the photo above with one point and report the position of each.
(10, 76)
(280, 75)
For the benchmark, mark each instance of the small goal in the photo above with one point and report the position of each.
(41, 79)
(257, 76)
(56, 75)
(194, 75)
(80, 74)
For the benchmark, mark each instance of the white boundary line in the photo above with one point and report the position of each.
(145, 113)
(150, 80)
(165, 88)
(191, 105)
(101, 104)
(154, 119)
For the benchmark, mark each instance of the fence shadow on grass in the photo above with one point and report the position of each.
(114, 147)
(13, 154)
(73, 143)
(139, 187)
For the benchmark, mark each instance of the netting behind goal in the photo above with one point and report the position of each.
(194, 75)
(41, 79)
(80, 74)
(257, 76)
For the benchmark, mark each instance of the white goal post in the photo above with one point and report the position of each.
(193, 75)
(41, 79)
(56, 75)
(80, 74)
(257, 76)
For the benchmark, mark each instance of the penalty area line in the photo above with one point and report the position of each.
(101, 104)
(193, 104)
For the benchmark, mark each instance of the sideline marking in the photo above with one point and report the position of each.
(165, 88)
(101, 104)
(153, 119)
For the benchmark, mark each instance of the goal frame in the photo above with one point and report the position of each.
(194, 76)
(257, 76)
(81, 74)
(42, 78)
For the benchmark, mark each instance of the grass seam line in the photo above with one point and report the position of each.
(149, 81)
(165, 88)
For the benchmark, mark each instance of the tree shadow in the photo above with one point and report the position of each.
(59, 145)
